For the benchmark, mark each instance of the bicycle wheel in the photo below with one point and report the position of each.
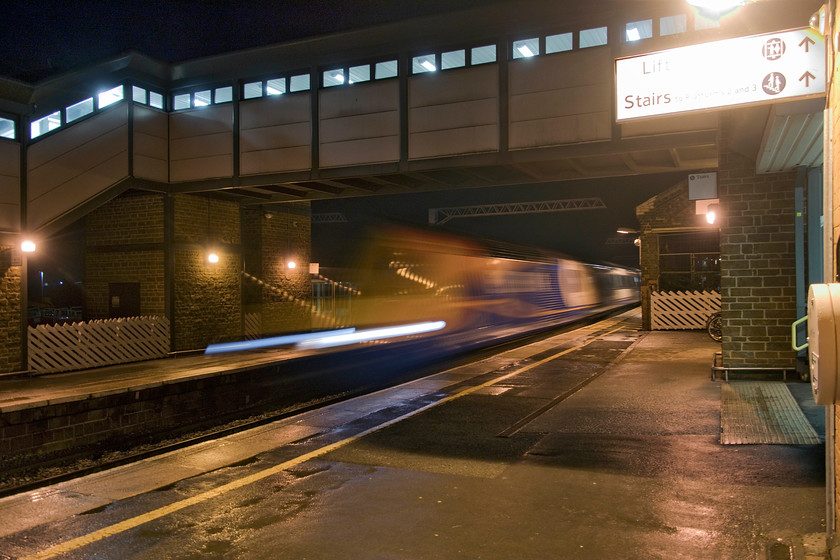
(713, 327)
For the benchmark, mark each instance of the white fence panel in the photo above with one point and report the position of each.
(73, 346)
(682, 310)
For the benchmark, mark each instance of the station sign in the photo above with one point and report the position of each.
(745, 70)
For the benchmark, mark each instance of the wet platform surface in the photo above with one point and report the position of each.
(598, 443)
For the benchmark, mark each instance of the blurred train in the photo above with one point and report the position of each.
(483, 291)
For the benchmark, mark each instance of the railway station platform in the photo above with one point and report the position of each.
(602, 442)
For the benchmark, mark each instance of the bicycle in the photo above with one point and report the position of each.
(714, 325)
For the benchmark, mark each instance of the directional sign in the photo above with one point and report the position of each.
(757, 69)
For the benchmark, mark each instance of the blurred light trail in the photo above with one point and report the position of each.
(272, 341)
(371, 334)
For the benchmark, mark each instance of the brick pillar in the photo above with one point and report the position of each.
(11, 343)
(207, 295)
(758, 270)
(275, 238)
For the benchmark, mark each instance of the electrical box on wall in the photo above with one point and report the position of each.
(823, 344)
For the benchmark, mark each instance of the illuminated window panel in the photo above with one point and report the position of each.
(202, 98)
(526, 48)
(453, 59)
(558, 43)
(181, 101)
(671, 25)
(138, 95)
(299, 82)
(252, 90)
(333, 77)
(387, 69)
(483, 55)
(156, 100)
(79, 110)
(7, 128)
(593, 37)
(423, 63)
(359, 74)
(275, 86)
(110, 97)
(45, 124)
(638, 30)
(223, 95)
(702, 22)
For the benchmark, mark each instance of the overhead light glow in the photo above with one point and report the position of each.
(28, 246)
(213, 258)
(428, 66)
(717, 6)
(712, 213)
(371, 334)
(524, 50)
(291, 265)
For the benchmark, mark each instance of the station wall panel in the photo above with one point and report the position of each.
(73, 165)
(665, 125)
(9, 186)
(560, 99)
(359, 124)
(275, 134)
(201, 143)
(151, 144)
(453, 112)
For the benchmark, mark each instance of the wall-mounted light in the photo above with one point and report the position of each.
(213, 258)
(712, 213)
(291, 265)
(818, 20)
(27, 246)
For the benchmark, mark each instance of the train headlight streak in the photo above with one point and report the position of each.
(371, 334)
(272, 341)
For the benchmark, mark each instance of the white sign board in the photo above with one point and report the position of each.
(757, 69)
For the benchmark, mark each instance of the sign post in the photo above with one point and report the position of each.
(745, 70)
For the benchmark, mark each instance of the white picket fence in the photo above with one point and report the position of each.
(682, 310)
(73, 346)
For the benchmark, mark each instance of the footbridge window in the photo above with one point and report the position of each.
(202, 98)
(281, 85)
(459, 58)
(146, 97)
(76, 111)
(7, 128)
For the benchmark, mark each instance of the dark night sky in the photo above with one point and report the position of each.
(40, 39)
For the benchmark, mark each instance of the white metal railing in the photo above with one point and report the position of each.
(73, 346)
(682, 310)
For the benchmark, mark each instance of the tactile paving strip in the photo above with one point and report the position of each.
(762, 412)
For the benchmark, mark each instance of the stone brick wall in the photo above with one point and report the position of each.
(124, 241)
(758, 280)
(207, 304)
(11, 345)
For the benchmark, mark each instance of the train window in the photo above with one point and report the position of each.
(483, 55)
(593, 37)
(299, 83)
(638, 30)
(110, 97)
(275, 86)
(7, 128)
(156, 100)
(333, 77)
(252, 90)
(45, 124)
(202, 98)
(453, 59)
(181, 101)
(138, 95)
(526, 48)
(223, 95)
(359, 73)
(558, 43)
(387, 69)
(423, 63)
(79, 110)
(671, 25)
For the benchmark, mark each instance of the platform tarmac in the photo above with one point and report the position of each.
(605, 442)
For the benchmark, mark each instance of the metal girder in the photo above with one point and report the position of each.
(439, 216)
